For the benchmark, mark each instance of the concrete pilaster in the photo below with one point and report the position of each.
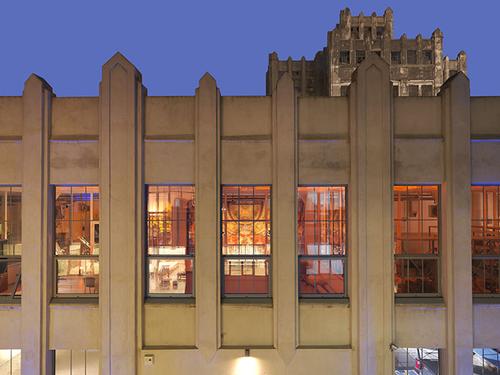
(34, 320)
(456, 198)
(207, 180)
(120, 128)
(370, 202)
(284, 217)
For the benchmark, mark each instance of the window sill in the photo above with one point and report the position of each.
(325, 300)
(268, 301)
(169, 300)
(419, 301)
(74, 301)
(490, 300)
(6, 303)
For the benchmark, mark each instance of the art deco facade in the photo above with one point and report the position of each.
(417, 66)
(278, 234)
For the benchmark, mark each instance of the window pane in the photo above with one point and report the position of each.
(170, 276)
(170, 220)
(246, 223)
(430, 276)
(321, 220)
(10, 220)
(77, 220)
(416, 361)
(485, 276)
(321, 276)
(10, 362)
(246, 276)
(10, 270)
(77, 276)
(485, 220)
(401, 276)
(416, 233)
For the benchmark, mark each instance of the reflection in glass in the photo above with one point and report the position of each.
(321, 239)
(486, 361)
(77, 276)
(416, 239)
(246, 239)
(246, 276)
(10, 362)
(416, 361)
(170, 220)
(485, 239)
(170, 240)
(10, 221)
(10, 277)
(170, 276)
(77, 220)
(321, 276)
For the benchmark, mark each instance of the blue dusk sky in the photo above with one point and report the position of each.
(173, 42)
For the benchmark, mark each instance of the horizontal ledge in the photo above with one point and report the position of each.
(323, 137)
(329, 347)
(485, 137)
(419, 301)
(169, 347)
(170, 300)
(74, 301)
(324, 300)
(267, 301)
(486, 300)
(11, 138)
(419, 137)
(258, 137)
(10, 303)
(241, 347)
(169, 138)
(74, 138)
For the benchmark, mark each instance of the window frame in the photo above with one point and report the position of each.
(147, 257)
(13, 258)
(344, 258)
(408, 257)
(269, 258)
(55, 257)
(347, 54)
(485, 296)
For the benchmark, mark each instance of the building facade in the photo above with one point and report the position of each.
(417, 66)
(277, 234)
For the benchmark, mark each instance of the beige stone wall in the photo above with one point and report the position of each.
(208, 140)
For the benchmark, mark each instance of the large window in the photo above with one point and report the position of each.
(410, 361)
(246, 240)
(321, 241)
(485, 240)
(486, 361)
(170, 240)
(10, 242)
(416, 240)
(76, 249)
(10, 362)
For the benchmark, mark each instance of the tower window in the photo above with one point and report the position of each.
(411, 56)
(380, 32)
(427, 57)
(344, 57)
(360, 56)
(396, 57)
